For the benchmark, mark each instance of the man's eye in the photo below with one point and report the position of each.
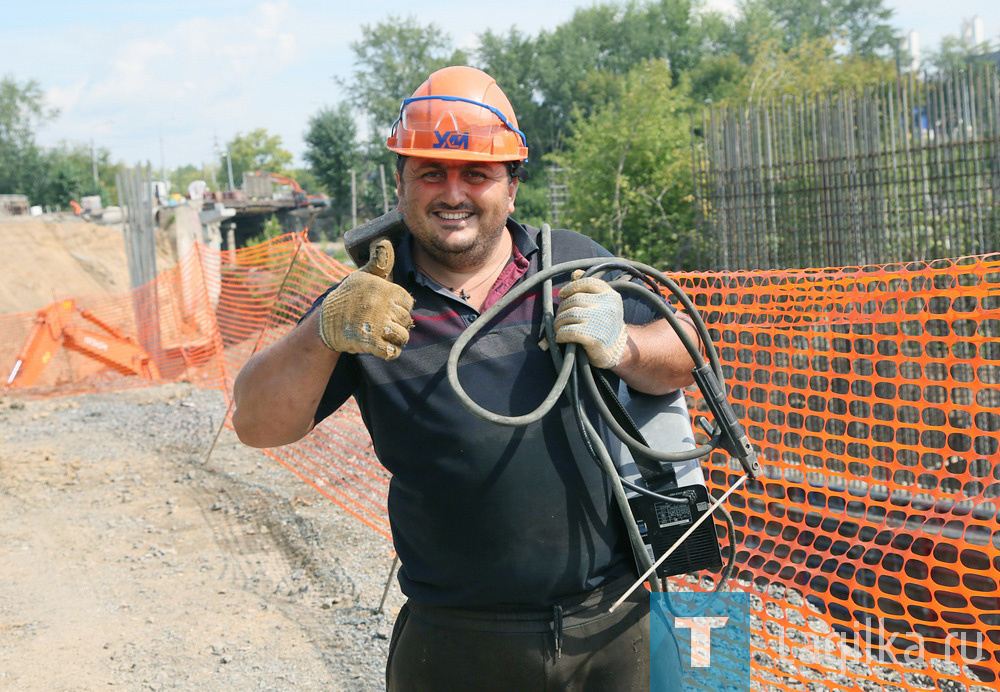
(475, 176)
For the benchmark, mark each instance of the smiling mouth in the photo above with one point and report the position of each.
(453, 215)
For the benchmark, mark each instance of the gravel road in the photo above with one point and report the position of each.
(131, 562)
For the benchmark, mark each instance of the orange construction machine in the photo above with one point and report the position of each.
(298, 192)
(53, 330)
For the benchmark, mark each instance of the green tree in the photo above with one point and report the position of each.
(576, 66)
(864, 24)
(66, 172)
(51, 176)
(810, 66)
(22, 111)
(628, 169)
(393, 58)
(955, 53)
(716, 78)
(332, 151)
(66, 177)
(256, 151)
(512, 59)
(183, 176)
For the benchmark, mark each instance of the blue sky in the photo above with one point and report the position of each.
(161, 82)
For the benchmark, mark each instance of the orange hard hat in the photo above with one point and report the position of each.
(461, 114)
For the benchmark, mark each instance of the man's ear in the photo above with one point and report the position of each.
(514, 183)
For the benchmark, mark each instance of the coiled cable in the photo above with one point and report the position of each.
(573, 366)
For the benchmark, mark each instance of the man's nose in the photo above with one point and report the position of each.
(453, 192)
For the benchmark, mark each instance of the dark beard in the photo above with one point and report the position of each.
(471, 257)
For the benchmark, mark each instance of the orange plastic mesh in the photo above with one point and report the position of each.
(872, 394)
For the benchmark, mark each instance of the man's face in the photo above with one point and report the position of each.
(457, 210)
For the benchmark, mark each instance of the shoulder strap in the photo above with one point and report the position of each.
(652, 471)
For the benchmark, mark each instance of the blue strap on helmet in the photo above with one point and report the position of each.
(495, 111)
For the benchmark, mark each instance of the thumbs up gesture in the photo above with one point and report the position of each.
(366, 312)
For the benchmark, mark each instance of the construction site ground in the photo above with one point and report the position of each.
(133, 560)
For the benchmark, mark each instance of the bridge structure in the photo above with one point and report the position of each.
(243, 216)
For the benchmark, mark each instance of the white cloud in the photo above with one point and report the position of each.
(133, 75)
(184, 81)
(198, 56)
(65, 97)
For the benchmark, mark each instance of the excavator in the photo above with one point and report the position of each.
(53, 330)
(298, 192)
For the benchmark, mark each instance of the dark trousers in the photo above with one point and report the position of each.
(576, 645)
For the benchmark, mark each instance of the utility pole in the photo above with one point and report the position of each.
(93, 159)
(163, 166)
(385, 197)
(354, 200)
(229, 165)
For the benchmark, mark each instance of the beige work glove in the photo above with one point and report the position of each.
(367, 313)
(591, 314)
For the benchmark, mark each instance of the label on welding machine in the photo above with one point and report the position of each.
(673, 514)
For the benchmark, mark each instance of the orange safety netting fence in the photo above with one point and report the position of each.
(872, 542)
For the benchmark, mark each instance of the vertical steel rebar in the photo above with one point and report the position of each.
(908, 169)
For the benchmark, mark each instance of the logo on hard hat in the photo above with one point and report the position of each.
(451, 140)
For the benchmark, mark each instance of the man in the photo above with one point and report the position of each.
(510, 543)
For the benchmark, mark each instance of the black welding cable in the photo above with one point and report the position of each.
(600, 454)
(570, 352)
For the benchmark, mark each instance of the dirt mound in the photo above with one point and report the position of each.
(59, 256)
